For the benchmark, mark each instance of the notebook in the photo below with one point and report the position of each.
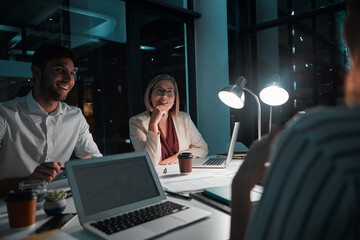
(111, 192)
(223, 194)
(219, 162)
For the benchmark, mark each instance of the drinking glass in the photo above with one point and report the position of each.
(38, 187)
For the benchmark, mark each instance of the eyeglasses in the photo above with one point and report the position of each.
(162, 92)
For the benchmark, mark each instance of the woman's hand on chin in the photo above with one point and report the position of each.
(157, 113)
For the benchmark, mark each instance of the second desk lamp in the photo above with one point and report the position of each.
(274, 95)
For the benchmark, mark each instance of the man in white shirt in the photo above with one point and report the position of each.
(39, 132)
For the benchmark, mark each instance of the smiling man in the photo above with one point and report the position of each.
(39, 132)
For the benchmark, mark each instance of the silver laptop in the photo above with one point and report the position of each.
(120, 197)
(219, 162)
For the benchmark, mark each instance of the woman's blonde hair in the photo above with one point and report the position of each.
(147, 97)
(351, 36)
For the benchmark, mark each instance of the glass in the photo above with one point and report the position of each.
(97, 32)
(38, 187)
(168, 53)
(307, 53)
(162, 92)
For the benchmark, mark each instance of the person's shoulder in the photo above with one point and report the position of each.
(183, 115)
(141, 116)
(13, 104)
(11, 108)
(324, 115)
(69, 109)
(320, 122)
(340, 111)
(182, 118)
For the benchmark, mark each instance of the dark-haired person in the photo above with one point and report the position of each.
(312, 187)
(164, 131)
(39, 132)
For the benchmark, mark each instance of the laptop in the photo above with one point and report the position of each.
(219, 162)
(120, 197)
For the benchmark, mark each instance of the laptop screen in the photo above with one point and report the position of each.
(233, 142)
(108, 185)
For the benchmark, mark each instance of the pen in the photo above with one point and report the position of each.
(63, 172)
(68, 194)
(178, 195)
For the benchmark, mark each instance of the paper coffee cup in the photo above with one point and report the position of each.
(21, 207)
(185, 162)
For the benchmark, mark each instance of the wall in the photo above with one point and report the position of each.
(212, 73)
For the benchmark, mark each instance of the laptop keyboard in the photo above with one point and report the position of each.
(215, 161)
(137, 217)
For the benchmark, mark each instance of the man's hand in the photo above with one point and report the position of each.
(46, 171)
(250, 173)
(253, 168)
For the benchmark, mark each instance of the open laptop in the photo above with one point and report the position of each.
(120, 197)
(219, 162)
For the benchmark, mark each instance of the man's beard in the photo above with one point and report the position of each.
(51, 93)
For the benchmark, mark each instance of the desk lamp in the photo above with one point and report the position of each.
(234, 97)
(274, 95)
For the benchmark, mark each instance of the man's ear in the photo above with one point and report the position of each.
(36, 72)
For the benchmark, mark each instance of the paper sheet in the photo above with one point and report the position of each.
(172, 180)
(62, 184)
(54, 234)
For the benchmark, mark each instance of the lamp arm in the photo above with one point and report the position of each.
(259, 111)
(270, 118)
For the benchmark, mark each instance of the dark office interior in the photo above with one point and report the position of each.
(122, 45)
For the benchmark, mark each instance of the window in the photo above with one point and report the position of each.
(117, 58)
(301, 43)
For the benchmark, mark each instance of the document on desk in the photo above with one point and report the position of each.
(195, 184)
(173, 181)
(54, 234)
(62, 184)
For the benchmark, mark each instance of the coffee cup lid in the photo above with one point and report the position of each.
(16, 196)
(185, 155)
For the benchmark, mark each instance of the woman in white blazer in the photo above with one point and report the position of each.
(162, 130)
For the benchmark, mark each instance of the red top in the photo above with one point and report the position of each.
(169, 146)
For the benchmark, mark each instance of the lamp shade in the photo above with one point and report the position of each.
(274, 95)
(231, 99)
(233, 95)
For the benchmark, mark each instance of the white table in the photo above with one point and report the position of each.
(216, 227)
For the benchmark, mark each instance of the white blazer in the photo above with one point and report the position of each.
(189, 138)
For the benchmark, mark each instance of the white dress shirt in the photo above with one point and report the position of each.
(312, 187)
(30, 136)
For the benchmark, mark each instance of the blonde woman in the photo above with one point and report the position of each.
(162, 130)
